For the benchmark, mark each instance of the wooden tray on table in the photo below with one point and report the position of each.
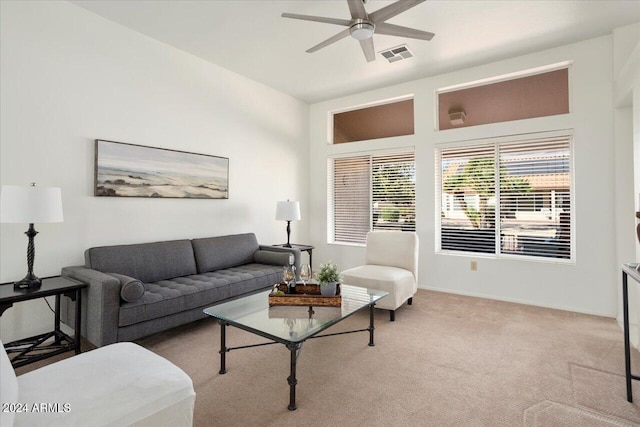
(306, 295)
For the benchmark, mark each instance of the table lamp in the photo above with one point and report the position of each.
(288, 211)
(30, 204)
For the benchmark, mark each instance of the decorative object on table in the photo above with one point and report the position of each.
(328, 277)
(305, 273)
(288, 211)
(289, 278)
(128, 170)
(305, 295)
(30, 204)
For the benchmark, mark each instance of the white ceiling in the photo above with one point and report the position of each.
(251, 39)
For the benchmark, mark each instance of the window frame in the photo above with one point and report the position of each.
(371, 154)
(496, 142)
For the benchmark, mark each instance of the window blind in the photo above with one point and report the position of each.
(526, 183)
(370, 191)
(351, 198)
(468, 199)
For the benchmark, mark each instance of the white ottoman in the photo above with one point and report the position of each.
(118, 385)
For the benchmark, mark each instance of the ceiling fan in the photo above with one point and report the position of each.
(363, 25)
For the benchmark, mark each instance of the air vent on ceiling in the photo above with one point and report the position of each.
(397, 53)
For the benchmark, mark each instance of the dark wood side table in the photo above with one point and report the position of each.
(32, 349)
(304, 248)
(628, 270)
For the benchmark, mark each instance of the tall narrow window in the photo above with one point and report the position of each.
(526, 183)
(370, 192)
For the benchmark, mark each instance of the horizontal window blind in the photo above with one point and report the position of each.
(468, 199)
(394, 192)
(370, 191)
(535, 198)
(525, 183)
(351, 199)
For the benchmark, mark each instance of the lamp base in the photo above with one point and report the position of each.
(28, 284)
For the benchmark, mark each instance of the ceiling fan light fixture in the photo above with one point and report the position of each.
(362, 30)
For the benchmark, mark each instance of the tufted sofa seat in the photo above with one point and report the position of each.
(188, 292)
(137, 290)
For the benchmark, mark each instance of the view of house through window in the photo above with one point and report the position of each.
(525, 183)
(370, 192)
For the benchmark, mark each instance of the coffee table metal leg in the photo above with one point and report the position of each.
(223, 348)
(294, 348)
(371, 328)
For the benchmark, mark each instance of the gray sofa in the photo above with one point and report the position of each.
(138, 290)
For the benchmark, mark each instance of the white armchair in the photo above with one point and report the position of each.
(391, 265)
(116, 385)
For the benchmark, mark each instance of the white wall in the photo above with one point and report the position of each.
(587, 286)
(626, 69)
(68, 77)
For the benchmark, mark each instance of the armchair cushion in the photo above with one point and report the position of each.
(399, 282)
(393, 248)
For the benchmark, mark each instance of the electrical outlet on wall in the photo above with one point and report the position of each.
(474, 265)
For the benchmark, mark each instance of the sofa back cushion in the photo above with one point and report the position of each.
(216, 253)
(148, 262)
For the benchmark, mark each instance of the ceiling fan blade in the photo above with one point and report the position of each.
(342, 34)
(392, 10)
(368, 50)
(397, 30)
(356, 7)
(343, 22)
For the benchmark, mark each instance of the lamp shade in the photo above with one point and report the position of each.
(30, 204)
(288, 211)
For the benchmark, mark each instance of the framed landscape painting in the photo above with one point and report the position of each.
(128, 170)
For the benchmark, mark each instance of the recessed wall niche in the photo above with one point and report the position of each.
(373, 122)
(538, 95)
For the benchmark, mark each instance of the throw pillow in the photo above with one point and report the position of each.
(132, 289)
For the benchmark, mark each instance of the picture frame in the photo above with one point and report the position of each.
(130, 170)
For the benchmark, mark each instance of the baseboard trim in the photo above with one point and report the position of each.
(517, 301)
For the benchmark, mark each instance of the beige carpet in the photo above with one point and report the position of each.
(447, 360)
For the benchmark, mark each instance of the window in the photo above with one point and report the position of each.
(370, 192)
(531, 194)
(373, 122)
(535, 95)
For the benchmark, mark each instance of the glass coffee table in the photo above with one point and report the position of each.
(290, 325)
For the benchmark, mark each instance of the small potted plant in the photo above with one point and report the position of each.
(328, 277)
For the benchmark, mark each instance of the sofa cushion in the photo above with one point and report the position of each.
(273, 257)
(131, 290)
(148, 262)
(216, 253)
(167, 297)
